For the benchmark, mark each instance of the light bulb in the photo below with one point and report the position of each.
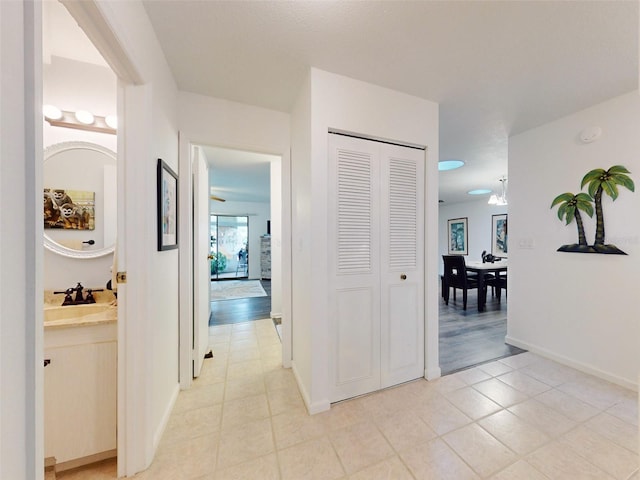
(84, 117)
(52, 112)
(112, 121)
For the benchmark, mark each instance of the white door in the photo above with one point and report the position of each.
(201, 262)
(402, 265)
(376, 231)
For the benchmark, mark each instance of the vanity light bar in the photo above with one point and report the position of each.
(69, 120)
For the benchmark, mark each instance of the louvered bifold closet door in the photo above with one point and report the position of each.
(353, 259)
(402, 265)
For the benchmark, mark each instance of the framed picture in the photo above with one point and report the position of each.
(167, 207)
(499, 235)
(458, 236)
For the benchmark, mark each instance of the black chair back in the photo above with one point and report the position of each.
(455, 271)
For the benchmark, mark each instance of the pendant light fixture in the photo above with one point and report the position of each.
(502, 199)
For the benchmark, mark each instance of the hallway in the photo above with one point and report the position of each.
(245, 419)
(519, 417)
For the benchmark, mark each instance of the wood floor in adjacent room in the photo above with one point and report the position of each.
(469, 337)
(224, 312)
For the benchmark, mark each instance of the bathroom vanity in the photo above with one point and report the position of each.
(80, 352)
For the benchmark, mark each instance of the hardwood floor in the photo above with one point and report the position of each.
(242, 309)
(469, 337)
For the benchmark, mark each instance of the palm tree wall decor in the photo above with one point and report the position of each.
(599, 181)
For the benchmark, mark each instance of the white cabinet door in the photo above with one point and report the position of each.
(80, 401)
(376, 233)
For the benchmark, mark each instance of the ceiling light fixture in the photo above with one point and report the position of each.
(80, 120)
(502, 199)
(445, 165)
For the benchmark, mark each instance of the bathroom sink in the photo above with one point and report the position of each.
(88, 313)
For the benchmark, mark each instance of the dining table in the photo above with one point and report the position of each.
(496, 268)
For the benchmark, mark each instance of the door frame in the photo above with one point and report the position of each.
(185, 173)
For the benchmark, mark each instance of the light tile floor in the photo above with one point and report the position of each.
(522, 417)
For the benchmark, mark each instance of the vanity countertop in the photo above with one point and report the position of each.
(104, 311)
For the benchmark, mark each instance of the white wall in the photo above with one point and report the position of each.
(258, 214)
(21, 373)
(301, 290)
(72, 85)
(577, 308)
(338, 102)
(478, 214)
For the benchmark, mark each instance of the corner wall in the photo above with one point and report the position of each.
(580, 309)
(21, 295)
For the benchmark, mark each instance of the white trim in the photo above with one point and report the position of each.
(432, 373)
(583, 367)
(317, 407)
(157, 437)
(185, 261)
(90, 17)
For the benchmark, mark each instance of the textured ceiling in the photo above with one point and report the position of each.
(496, 68)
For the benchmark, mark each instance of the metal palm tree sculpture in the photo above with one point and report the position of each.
(570, 206)
(606, 181)
(599, 181)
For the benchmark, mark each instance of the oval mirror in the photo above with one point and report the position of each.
(80, 205)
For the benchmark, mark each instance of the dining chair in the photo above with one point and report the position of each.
(500, 284)
(455, 276)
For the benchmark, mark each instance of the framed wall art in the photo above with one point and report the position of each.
(167, 207)
(458, 232)
(499, 234)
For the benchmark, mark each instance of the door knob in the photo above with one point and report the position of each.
(403, 277)
(210, 257)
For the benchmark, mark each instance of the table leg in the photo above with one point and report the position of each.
(481, 291)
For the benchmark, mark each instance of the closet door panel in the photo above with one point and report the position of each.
(357, 339)
(402, 263)
(353, 253)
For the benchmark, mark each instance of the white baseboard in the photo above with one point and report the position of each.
(165, 419)
(432, 373)
(312, 408)
(583, 367)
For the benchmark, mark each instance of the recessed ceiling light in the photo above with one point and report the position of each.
(479, 191)
(449, 164)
